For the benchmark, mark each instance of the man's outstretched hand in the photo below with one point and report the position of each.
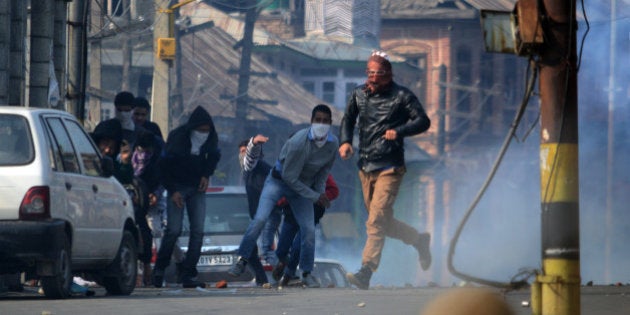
(323, 201)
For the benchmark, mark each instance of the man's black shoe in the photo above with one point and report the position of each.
(157, 279)
(289, 280)
(278, 271)
(179, 270)
(309, 281)
(361, 279)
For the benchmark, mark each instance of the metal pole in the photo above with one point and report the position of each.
(94, 103)
(126, 49)
(177, 99)
(442, 112)
(242, 96)
(76, 60)
(611, 140)
(60, 51)
(560, 278)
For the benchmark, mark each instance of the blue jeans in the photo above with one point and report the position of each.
(257, 268)
(272, 191)
(289, 240)
(269, 234)
(195, 204)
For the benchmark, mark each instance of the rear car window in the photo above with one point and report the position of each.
(87, 152)
(64, 146)
(225, 214)
(16, 146)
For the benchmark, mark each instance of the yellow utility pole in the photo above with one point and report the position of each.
(557, 290)
(547, 28)
(164, 43)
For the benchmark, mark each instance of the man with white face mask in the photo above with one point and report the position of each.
(124, 103)
(190, 158)
(299, 175)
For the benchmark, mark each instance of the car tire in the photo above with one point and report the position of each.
(120, 277)
(58, 286)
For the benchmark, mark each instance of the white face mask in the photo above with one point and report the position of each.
(320, 131)
(125, 119)
(197, 139)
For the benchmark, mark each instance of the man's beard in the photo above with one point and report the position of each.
(376, 87)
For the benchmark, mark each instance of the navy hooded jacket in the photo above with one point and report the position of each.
(179, 166)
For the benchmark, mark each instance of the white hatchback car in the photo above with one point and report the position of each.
(61, 211)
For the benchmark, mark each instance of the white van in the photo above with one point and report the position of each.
(61, 211)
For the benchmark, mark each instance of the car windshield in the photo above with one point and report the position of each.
(15, 140)
(225, 214)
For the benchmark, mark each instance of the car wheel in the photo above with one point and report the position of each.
(58, 286)
(120, 277)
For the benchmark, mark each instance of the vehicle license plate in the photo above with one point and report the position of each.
(215, 260)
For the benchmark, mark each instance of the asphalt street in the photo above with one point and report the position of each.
(597, 300)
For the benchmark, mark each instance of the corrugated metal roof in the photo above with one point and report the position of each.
(441, 9)
(327, 48)
(207, 58)
(426, 9)
(497, 5)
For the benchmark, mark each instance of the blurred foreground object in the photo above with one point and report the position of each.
(468, 301)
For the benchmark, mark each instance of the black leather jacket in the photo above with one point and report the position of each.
(395, 108)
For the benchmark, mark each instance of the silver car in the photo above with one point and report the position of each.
(227, 218)
(61, 211)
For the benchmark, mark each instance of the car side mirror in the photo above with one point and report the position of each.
(107, 166)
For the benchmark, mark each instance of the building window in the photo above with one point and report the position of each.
(328, 92)
(417, 60)
(105, 114)
(318, 72)
(463, 65)
(114, 7)
(309, 86)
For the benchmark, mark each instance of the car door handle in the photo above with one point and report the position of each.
(68, 186)
(95, 188)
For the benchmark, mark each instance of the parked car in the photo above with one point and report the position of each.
(61, 212)
(330, 273)
(227, 218)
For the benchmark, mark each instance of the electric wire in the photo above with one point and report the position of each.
(588, 28)
(515, 283)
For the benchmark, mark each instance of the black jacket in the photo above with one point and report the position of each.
(178, 165)
(395, 108)
(151, 174)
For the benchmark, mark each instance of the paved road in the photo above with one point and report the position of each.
(169, 301)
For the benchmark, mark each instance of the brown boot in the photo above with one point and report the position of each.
(423, 246)
(361, 279)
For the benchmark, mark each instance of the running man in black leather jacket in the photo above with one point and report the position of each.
(386, 112)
